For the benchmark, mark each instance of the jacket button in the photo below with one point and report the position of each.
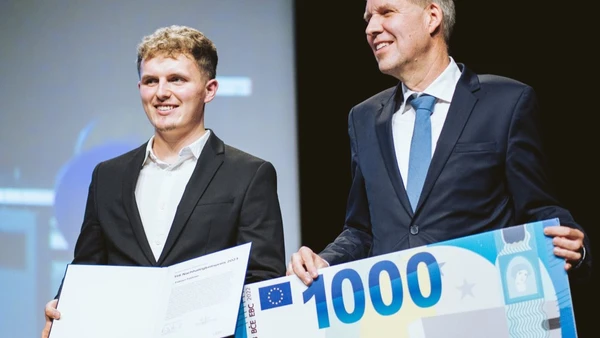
(414, 229)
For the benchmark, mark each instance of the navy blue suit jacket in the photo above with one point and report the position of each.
(488, 172)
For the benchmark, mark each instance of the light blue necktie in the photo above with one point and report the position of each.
(420, 147)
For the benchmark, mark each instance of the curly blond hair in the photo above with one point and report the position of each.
(175, 40)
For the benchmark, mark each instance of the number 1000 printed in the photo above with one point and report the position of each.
(317, 290)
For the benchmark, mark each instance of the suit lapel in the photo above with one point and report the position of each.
(461, 107)
(132, 172)
(209, 162)
(383, 126)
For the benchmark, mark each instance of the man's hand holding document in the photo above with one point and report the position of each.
(195, 298)
(499, 284)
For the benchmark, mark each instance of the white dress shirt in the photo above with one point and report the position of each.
(160, 187)
(403, 121)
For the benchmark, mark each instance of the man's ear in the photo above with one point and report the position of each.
(211, 90)
(436, 16)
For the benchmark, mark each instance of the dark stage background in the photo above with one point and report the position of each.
(531, 41)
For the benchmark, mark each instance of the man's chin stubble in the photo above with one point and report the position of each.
(167, 128)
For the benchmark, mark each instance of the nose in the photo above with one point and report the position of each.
(163, 90)
(374, 26)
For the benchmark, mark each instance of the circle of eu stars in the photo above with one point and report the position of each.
(273, 300)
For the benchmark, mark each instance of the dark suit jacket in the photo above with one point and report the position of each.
(487, 172)
(231, 199)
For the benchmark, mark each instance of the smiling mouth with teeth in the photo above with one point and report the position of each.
(165, 108)
(381, 45)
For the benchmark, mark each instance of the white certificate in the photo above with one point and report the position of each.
(195, 298)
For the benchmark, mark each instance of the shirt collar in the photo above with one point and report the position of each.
(442, 88)
(194, 149)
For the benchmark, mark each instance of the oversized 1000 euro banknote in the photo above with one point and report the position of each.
(498, 284)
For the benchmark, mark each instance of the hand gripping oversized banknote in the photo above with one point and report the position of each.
(498, 284)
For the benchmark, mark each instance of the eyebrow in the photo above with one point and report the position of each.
(367, 16)
(176, 74)
(379, 9)
(146, 77)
